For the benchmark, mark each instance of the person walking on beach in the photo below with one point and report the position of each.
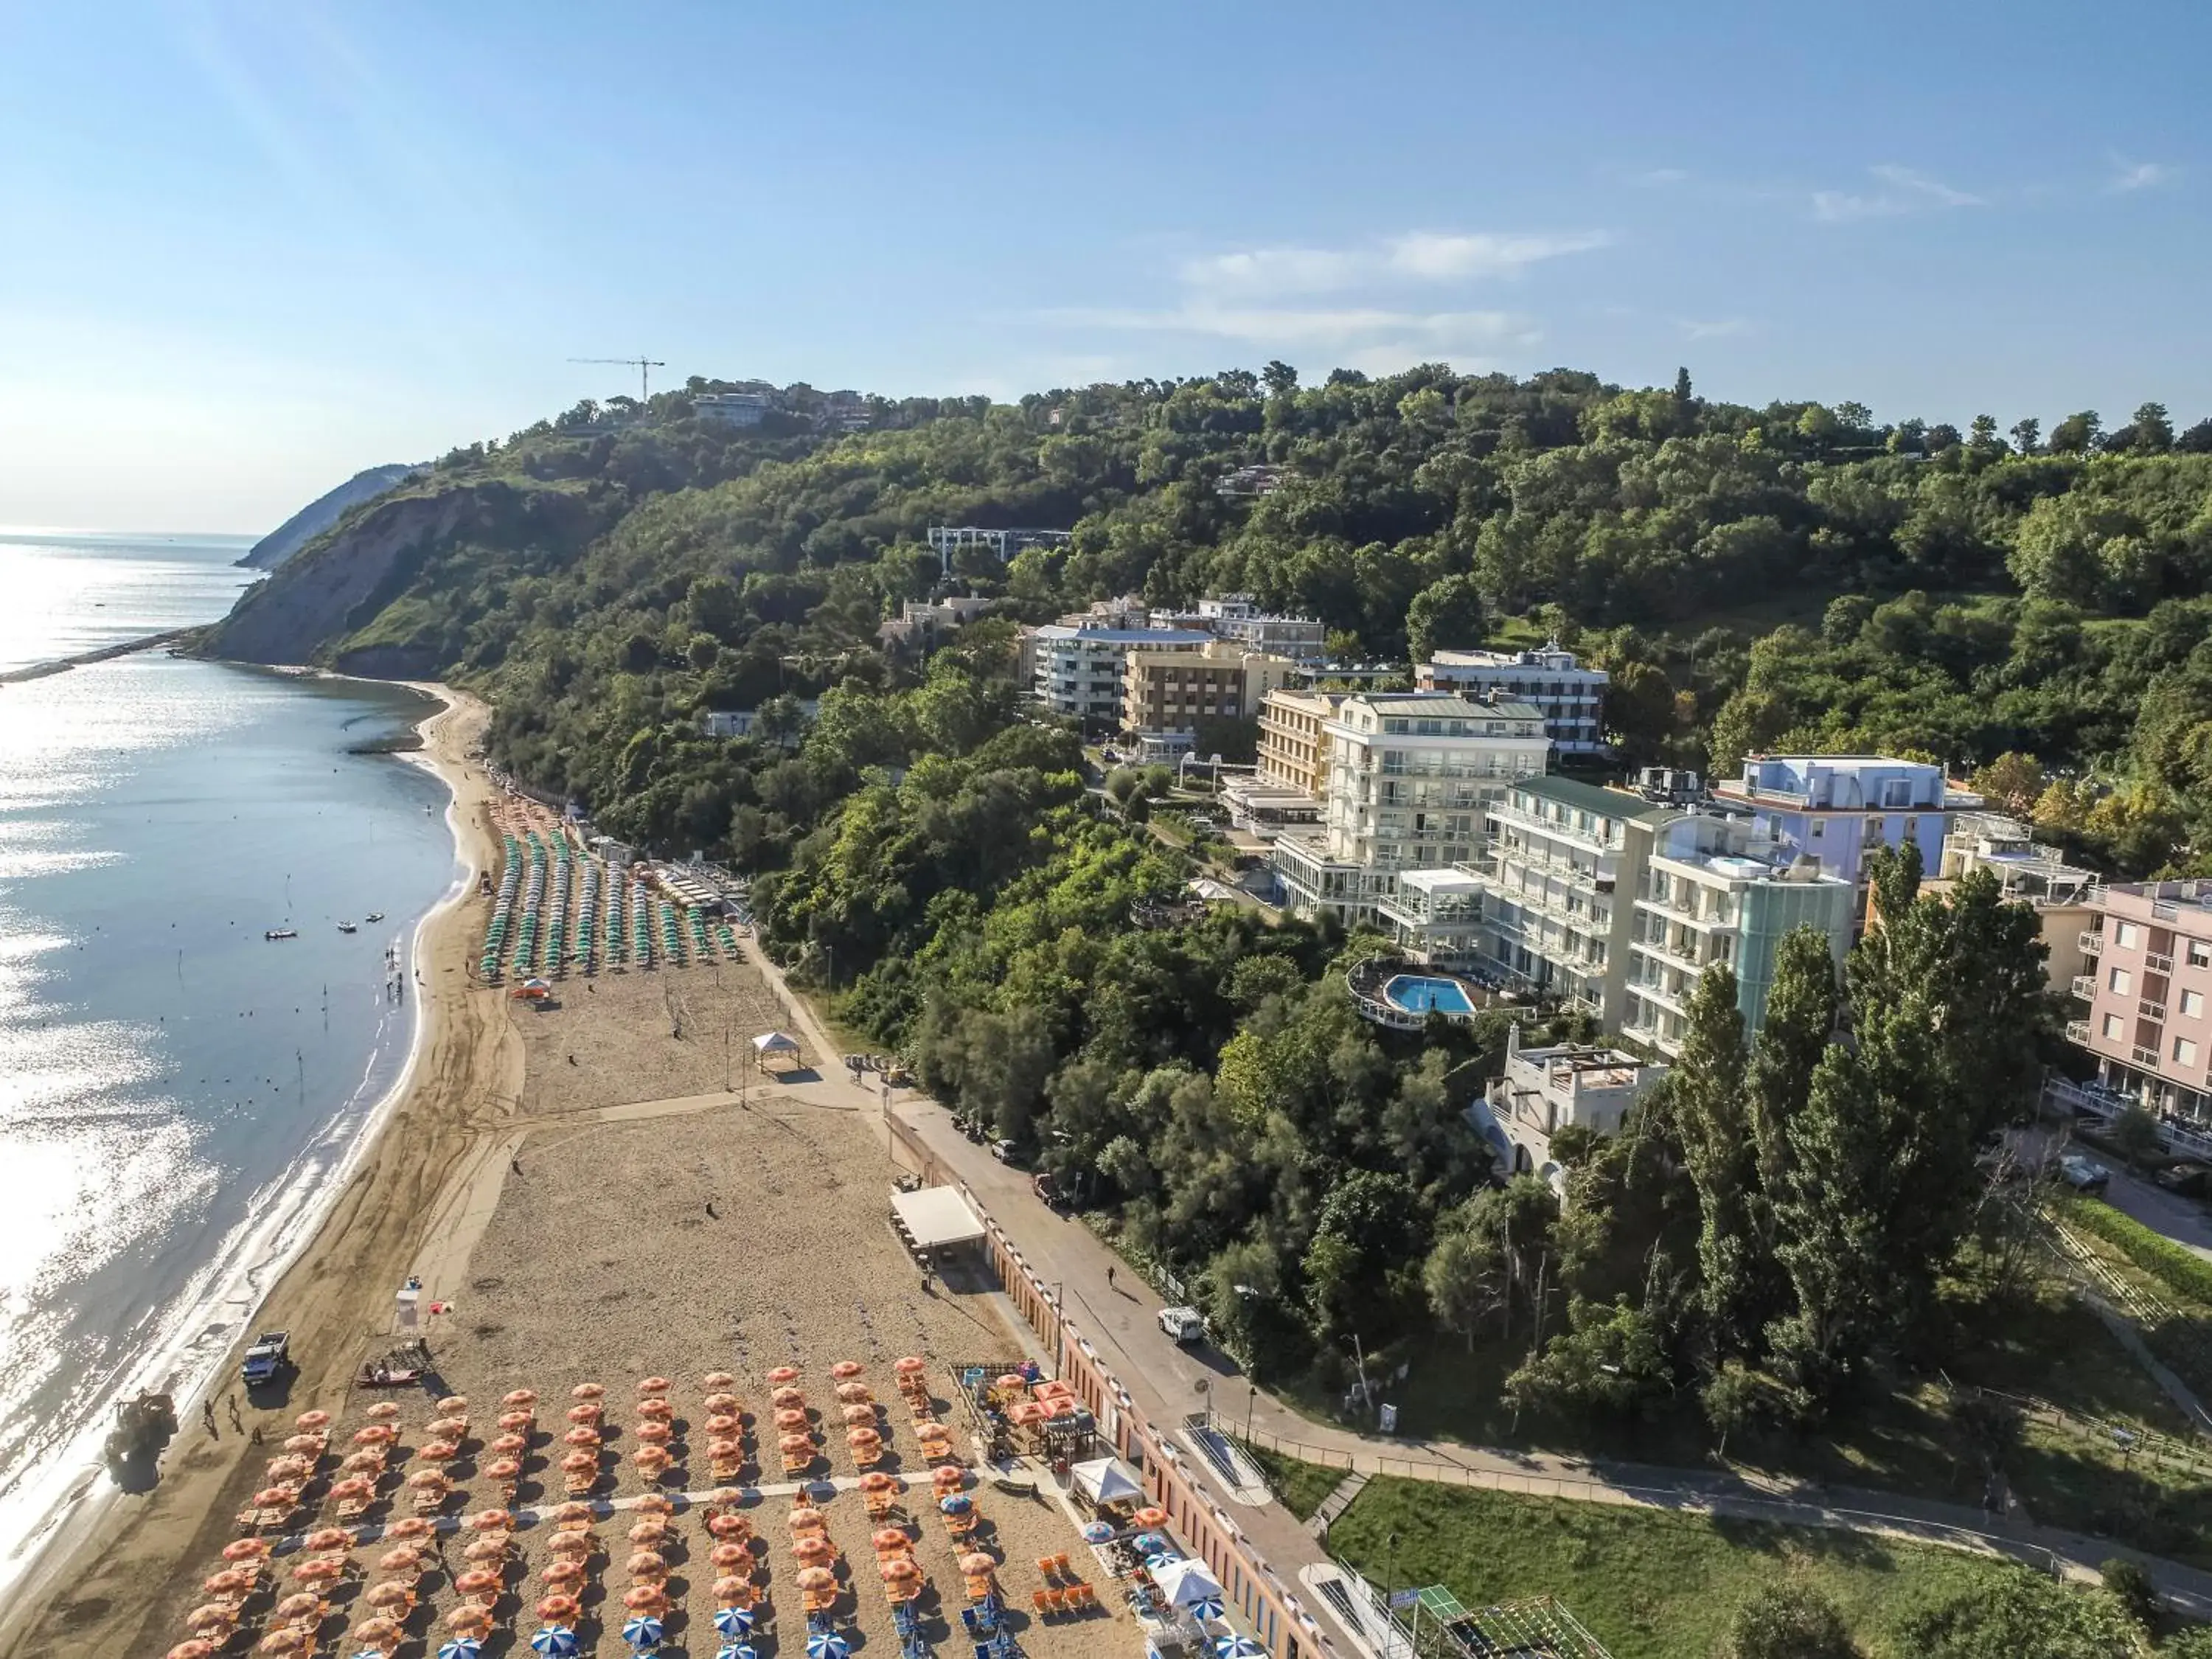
(207, 1415)
(515, 1165)
(1109, 1277)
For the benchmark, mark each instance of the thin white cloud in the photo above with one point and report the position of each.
(1905, 190)
(1434, 257)
(1254, 274)
(1719, 329)
(1660, 178)
(2140, 175)
(1343, 327)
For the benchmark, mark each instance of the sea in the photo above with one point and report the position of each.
(178, 1095)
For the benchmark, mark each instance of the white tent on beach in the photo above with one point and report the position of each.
(775, 1044)
(1107, 1481)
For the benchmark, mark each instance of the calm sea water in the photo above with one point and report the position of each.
(176, 1092)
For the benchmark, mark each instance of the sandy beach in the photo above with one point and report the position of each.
(576, 1184)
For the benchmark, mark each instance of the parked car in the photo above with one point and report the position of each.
(2083, 1175)
(2190, 1179)
(1185, 1325)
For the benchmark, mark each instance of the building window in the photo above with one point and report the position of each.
(2113, 1026)
(1819, 829)
(2184, 1051)
(2126, 935)
(2121, 981)
(2200, 954)
(2192, 1004)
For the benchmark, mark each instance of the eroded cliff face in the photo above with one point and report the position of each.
(310, 610)
(318, 516)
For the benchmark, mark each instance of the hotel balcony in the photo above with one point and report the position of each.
(2077, 1032)
(2091, 942)
(2146, 1057)
(2152, 1010)
(2084, 986)
(2155, 964)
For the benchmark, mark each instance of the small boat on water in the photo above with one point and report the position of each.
(373, 915)
(282, 933)
(347, 928)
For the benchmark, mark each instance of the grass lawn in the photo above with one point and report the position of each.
(1647, 1583)
(1300, 1487)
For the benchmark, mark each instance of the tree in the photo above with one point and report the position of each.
(1371, 1231)
(2027, 434)
(1788, 1621)
(1800, 1015)
(2076, 435)
(1704, 1101)
(1465, 1280)
(2134, 1135)
(2013, 782)
(2018, 1613)
(2132, 1588)
(1280, 378)
(1446, 615)
(2154, 430)
(2197, 441)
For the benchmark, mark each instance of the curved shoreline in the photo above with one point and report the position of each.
(111, 1551)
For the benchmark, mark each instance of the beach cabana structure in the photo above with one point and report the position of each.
(775, 1048)
(933, 1218)
(1108, 1482)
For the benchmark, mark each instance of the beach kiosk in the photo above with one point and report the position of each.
(772, 1049)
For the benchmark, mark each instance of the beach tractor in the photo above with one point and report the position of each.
(269, 1359)
(142, 1427)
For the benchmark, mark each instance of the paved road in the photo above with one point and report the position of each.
(2175, 1217)
(1108, 1303)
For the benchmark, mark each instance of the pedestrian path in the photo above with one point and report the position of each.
(1335, 1504)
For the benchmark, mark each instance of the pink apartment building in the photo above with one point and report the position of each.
(2150, 991)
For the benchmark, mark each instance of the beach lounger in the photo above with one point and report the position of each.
(1041, 1601)
(880, 1503)
(1081, 1597)
(819, 1600)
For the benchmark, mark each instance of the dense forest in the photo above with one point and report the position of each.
(2030, 609)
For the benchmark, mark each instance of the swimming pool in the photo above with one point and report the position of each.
(1418, 995)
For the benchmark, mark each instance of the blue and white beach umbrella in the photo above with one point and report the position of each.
(1154, 1543)
(554, 1642)
(642, 1632)
(1097, 1532)
(461, 1647)
(733, 1621)
(1164, 1559)
(827, 1644)
(372, 1653)
(957, 1502)
(1239, 1647)
(735, 1650)
(1206, 1610)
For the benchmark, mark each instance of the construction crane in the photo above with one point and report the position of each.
(644, 366)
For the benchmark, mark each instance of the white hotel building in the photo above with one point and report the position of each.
(1410, 776)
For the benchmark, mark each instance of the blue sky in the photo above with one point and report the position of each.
(247, 249)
